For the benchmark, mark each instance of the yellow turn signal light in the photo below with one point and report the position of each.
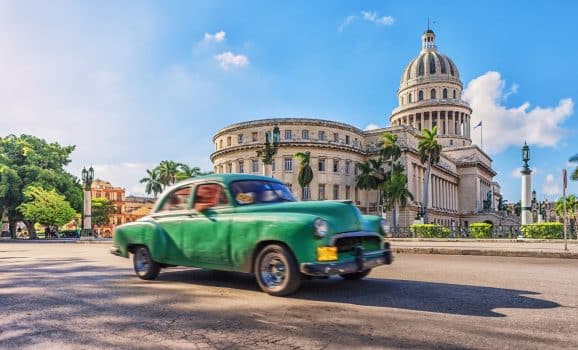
(326, 253)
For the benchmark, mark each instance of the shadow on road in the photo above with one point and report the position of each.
(401, 294)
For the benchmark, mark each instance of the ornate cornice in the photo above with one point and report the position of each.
(286, 121)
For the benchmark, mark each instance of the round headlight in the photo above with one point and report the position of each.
(321, 227)
(384, 226)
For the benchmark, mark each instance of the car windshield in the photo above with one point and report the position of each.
(259, 191)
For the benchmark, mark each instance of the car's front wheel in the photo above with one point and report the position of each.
(144, 265)
(277, 271)
(355, 275)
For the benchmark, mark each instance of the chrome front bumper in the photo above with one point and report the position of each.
(360, 262)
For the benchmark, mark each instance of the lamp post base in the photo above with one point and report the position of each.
(86, 235)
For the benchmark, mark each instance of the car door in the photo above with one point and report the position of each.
(207, 229)
(169, 217)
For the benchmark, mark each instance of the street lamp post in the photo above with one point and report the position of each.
(87, 177)
(269, 150)
(526, 204)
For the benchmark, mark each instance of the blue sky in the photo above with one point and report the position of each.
(133, 83)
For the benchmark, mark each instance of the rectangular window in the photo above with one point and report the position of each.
(347, 166)
(347, 192)
(321, 192)
(229, 168)
(221, 143)
(255, 165)
(355, 169)
(321, 135)
(240, 139)
(306, 193)
(288, 135)
(321, 164)
(241, 166)
(335, 165)
(347, 139)
(273, 165)
(335, 191)
(335, 137)
(254, 136)
(305, 134)
(289, 186)
(228, 140)
(288, 164)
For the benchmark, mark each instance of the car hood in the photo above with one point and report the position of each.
(341, 216)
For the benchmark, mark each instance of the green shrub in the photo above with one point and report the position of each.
(429, 231)
(480, 230)
(543, 230)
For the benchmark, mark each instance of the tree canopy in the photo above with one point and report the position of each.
(46, 207)
(102, 208)
(27, 161)
(167, 173)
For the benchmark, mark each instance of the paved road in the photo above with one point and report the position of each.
(69, 296)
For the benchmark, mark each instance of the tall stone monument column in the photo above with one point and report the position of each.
(526, 200)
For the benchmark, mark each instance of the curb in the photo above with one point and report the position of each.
(481, 240)
(485, 252)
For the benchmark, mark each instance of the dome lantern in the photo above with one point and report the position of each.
(428, 40)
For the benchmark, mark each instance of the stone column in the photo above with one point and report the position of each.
(87, 220)
(526, 200)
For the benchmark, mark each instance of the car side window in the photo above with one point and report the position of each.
(178, 199)
(208, 196)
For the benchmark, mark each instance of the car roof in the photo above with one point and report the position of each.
(224, 178)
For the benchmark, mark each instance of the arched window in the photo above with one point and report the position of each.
(433, 94)
(409, 98)
(445, 93)
(454, 94)
(420, 96)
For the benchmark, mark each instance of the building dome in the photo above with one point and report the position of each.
(429, 65)
(430, 94)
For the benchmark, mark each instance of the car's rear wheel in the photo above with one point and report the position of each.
(277, 271)
(355, 275)
(144, 265)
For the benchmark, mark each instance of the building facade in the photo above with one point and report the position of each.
(128, 209)
(462, 189)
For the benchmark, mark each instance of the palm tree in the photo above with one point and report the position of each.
(429, 152)
(395, 192)
(168, 171)
(390, 151)
(574, 159)
(380, 177)
(365, 180)
(153, 183)
(186, 171)
(571, 207)
(305, 175)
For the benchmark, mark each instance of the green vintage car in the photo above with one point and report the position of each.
(248, 223)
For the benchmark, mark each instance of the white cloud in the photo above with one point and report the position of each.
(371, 126)
(217, 37)
(551, 186)
(347, 21)
(538, 126)
(368, 16)
(517, 175)
(373, 18)
(228, 60)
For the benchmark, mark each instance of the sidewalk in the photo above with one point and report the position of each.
(488, 247)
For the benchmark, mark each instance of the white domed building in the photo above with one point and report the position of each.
(461, 190)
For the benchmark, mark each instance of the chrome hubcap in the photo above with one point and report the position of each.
(142, 260)
(273, 271)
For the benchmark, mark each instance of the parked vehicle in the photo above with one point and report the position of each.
(248, 223)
